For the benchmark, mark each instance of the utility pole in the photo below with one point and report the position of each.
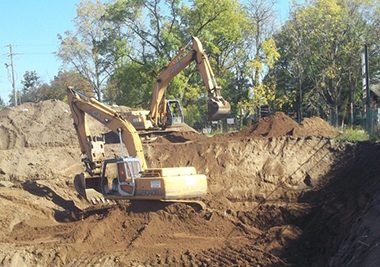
(13, 75)
(366, 91)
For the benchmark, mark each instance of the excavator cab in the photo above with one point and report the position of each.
(128, 169)
(175, 112)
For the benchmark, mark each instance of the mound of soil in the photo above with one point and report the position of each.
(279, 125)
(275, 125)
(36, 124)
(43, 124)
(181, 137)
(314, 126)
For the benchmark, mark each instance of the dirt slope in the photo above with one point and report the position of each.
(279, 194)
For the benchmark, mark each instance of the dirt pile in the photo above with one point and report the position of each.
(275, 125)
(250, 168)
(43, 124)
(37, 141)
(280, 125)
(314, 126)
(36, 124)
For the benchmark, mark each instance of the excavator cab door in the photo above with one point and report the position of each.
(174, 112)
(127, 170)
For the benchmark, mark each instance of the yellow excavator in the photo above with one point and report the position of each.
(164, 113)
(127, 175)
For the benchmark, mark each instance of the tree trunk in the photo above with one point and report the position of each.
(336, 115)
(299, 106)
(351, 96)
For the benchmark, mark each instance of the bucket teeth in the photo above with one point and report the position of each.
(94, 197)
(99, 200)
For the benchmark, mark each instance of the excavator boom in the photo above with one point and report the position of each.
(218, 107)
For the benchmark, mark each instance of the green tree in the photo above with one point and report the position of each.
(2, 103)
(141, 42)
(57, 87)
(224, 28)
(30, 87)
(260, 55)
(154, 37)
(81, 49)
(320, 48)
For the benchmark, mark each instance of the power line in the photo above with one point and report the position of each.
(34, 45)
(36, 53)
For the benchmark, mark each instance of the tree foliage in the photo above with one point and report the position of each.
(56, 89)
(2, 103)
(309, 66)
(30, 87)
(82, 49)
(320, 49)
(153, 37)
(35, 90)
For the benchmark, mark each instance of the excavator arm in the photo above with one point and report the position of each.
(218, 107)
(81, 105)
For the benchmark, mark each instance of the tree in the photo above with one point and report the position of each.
(223, 27)
(81, 49)
(320, 53)
(261, 17)
(57, 87)
(154, 37)
(35, 90)
(2, 103)
(142, 42)
(261, 54)
(30, 85)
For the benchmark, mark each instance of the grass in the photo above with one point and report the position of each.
(353, 135)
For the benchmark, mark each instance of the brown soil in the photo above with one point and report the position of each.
(275, 125)
(314, 126)
(280, 125)
(297, 198)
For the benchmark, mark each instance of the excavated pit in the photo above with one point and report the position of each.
(279, 194)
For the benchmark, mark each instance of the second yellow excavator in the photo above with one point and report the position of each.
(165, 113)
(127, 175)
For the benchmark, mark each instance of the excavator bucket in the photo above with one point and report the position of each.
(89, 188)
(218, 109)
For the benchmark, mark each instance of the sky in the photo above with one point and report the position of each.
(31, 27)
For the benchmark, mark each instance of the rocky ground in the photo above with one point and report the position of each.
(280, 194)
